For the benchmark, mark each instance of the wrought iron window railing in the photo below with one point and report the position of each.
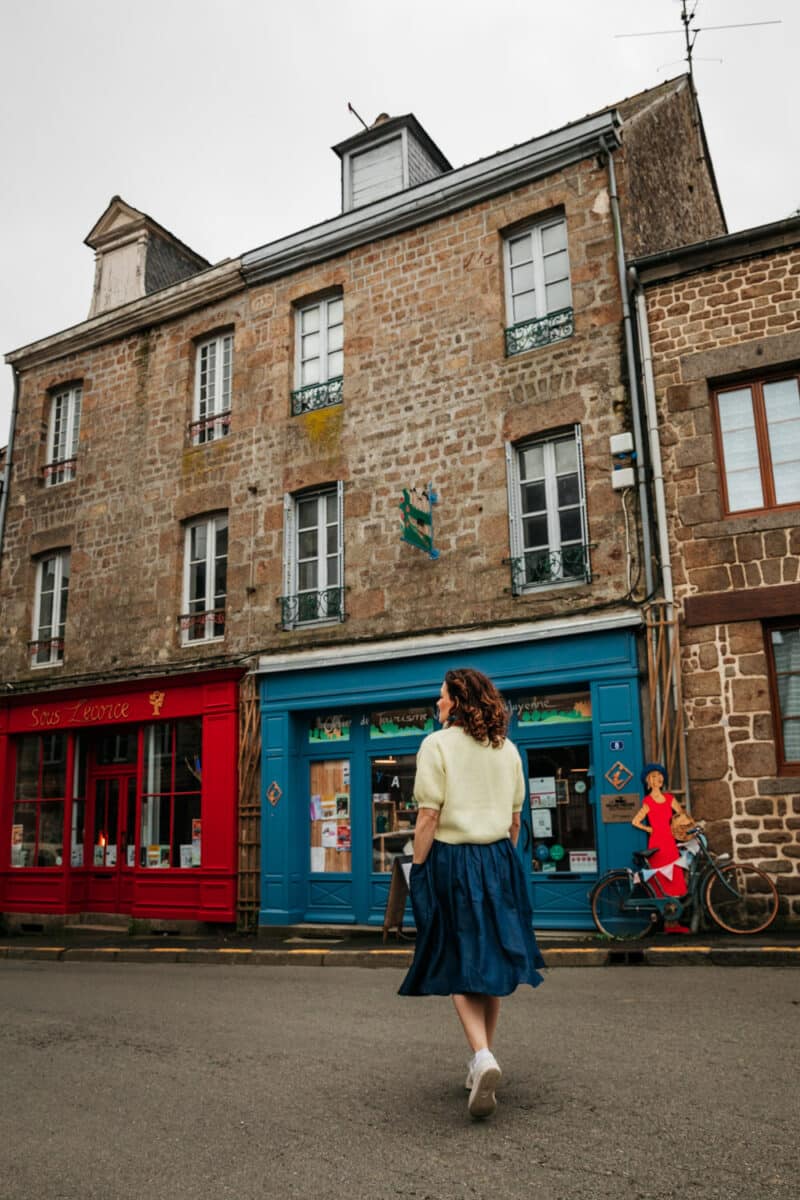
(208, 429)
(543, 568)
(61, 470)
(46, 650)
(325, 605)
(317, 395)
(541, 331)
(201, 626)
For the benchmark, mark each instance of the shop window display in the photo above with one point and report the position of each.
(394, 811)
(170, 828)
(330, 817)
(37, 825)
(562, 832)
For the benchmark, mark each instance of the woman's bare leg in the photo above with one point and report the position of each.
(478, 1016)
(491, 1011)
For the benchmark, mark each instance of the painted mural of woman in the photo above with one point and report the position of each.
(658, 809)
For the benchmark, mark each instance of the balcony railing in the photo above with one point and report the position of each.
(317, 395)
(46, 650)
(326, 605)
(543, 568)
(61, 470)
(542, 331)
(208, 429)
(202, 626)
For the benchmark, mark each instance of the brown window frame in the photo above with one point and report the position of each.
(756, 384)
(785, 766)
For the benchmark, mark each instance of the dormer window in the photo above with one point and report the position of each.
(394, 154)
(377, 171)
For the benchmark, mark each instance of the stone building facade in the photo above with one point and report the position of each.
(176, 514)
(724, 321)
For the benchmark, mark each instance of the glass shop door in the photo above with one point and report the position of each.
(558, 840)
(112, 826)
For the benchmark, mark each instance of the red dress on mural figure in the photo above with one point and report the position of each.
(659, 808)
(660, 812)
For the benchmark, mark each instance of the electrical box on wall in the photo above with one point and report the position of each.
(621, 443)
(623, 477)
(623, 456)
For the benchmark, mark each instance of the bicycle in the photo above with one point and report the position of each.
(738, 897)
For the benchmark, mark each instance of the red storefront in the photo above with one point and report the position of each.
(122, 799)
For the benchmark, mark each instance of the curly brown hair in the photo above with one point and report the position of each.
(477, 705)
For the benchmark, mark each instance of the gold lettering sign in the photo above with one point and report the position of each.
(82, 712)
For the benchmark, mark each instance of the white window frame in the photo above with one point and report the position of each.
(62, 451)
(291, 554)
(535, 231)
(325, 327)
(57, 626)
(515, 514)
(211, 630)
(212, 398)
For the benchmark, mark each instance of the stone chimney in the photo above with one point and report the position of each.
(394, 154)
(135, 256)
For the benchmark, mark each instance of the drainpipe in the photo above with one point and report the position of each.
(633, 375)
(659, 494)
(9, 458)
(654, 444)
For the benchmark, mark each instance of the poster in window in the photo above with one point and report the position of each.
(583, 860)
(542, 791)
(329, 834)
(343, 836)
(542, 821)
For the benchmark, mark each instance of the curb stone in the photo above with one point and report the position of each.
(613, 954)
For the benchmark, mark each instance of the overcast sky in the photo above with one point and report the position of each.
(216, 117)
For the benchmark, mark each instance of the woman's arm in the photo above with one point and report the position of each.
(427, 820)
(513, 832)
(638, 821)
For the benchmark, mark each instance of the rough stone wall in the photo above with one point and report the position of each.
(665, 176)
(724, 321)
(428, 396)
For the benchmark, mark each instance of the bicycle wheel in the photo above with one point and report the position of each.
(744, 900)
(610, 914)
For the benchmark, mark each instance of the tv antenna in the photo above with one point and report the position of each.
(357, 115)
(690, 32)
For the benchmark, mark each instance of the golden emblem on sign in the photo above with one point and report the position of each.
(274, 793)
(156, 701)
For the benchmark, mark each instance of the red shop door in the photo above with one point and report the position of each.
(113, 826)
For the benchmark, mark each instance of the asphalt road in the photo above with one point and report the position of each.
(183, 1081)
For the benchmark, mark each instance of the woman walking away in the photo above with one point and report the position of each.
(475, 939)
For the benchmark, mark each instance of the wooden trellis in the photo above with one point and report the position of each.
(248, 896)
(667, 741)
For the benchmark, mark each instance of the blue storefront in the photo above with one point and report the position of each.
(340, 731)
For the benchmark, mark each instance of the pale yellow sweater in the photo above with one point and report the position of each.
(475, 787)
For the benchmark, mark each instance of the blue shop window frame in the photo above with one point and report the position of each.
(608, 659)
(358, 895)
(561, 901)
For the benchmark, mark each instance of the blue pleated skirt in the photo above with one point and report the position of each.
(474, 923)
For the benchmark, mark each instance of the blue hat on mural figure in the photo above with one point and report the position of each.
(654, 767)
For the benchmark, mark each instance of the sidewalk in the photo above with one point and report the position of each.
(338, 946)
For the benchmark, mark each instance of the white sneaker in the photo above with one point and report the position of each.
(486, 1075)
(468, 1081)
